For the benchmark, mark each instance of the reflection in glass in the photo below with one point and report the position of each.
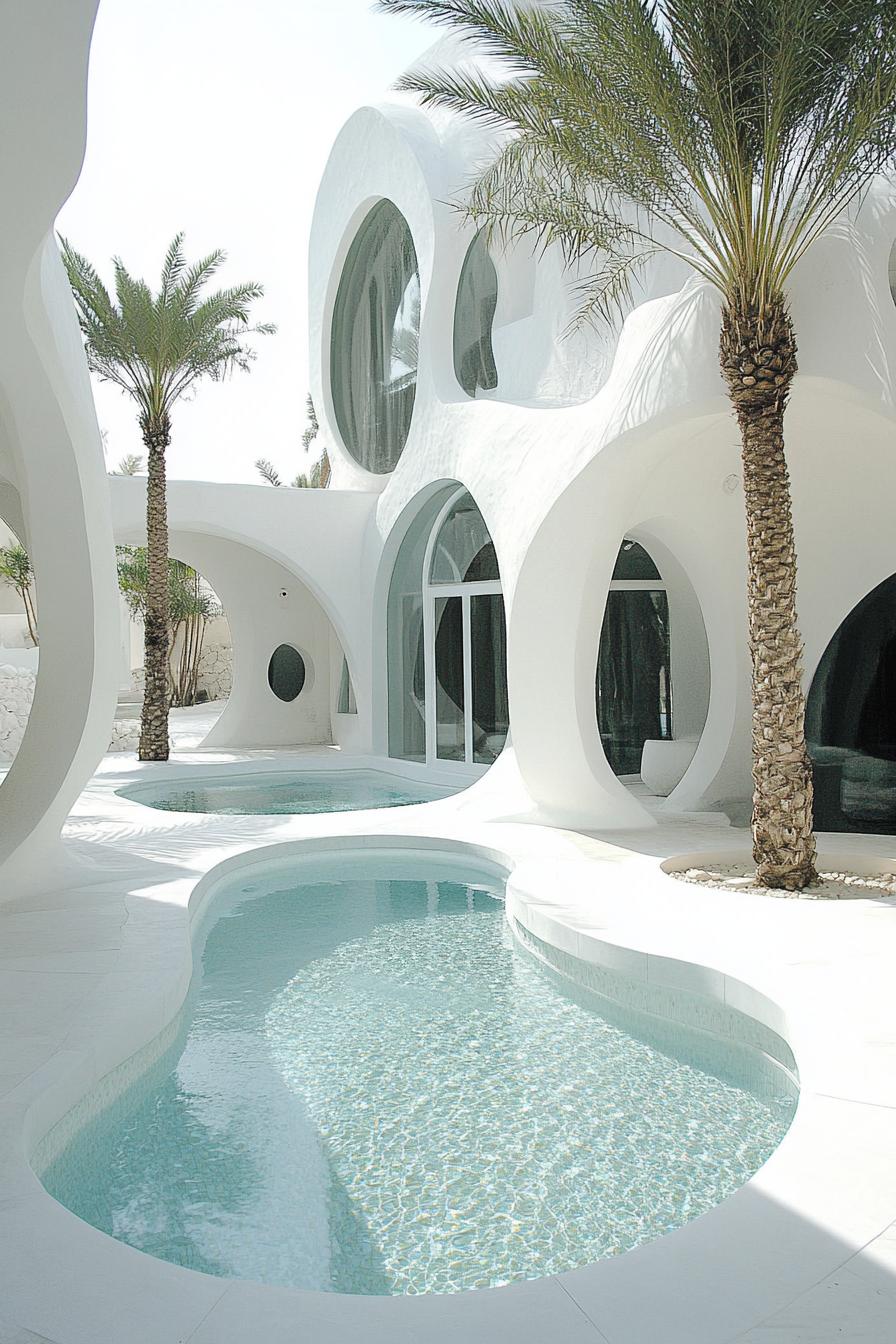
(474, 315)
(446, 632)
(346, 703)
(449, 650)
(374, 340)
(634, 687)
(464, 551)
(407, 681)
(851, 720)
(488, 636)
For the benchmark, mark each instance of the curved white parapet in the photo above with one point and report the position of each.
(664, 762)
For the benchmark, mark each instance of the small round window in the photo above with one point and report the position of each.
(286, 672)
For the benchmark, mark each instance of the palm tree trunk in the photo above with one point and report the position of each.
(154, 718)
(758, 358)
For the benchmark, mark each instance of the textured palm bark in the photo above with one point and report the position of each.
(154, 717)
(758, 357)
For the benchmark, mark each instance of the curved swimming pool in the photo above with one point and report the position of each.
(284, 794)
(373, 1089)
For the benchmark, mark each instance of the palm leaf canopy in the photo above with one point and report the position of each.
(155, 346)
(729, 132)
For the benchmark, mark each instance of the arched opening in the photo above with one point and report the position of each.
(447, 640)
(200, 659)
(374, 340)
(634, 665)
(851, 720)
(19, 642)
(652, 678)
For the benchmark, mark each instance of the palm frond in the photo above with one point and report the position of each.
(730, 132)
(157, 346)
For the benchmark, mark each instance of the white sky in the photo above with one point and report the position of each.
(216, 117)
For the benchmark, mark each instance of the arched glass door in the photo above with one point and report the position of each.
(448, 646)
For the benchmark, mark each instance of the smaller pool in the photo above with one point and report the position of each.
(280, 795)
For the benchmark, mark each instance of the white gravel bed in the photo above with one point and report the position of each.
(832, 887)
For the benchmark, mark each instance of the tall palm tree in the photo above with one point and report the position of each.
(730, 133)
(156, 347)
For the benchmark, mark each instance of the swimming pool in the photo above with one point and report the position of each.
(373, 1089)
(274, 795)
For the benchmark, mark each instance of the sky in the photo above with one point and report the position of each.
(216, 117)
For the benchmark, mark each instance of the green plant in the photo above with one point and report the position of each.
(16, 570)
(191, 605)
(157, 347)
(731, 133)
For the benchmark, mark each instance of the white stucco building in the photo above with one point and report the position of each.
(601, 469)
(526, 577)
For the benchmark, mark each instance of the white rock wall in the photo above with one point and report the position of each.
(216, 671)
(125, 735)
(16, 693)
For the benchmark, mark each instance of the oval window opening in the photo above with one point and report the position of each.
(286, 672)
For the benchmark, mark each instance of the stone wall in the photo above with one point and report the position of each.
(216, 671)
(16, 693)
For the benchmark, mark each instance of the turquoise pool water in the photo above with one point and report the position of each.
(373, 1090)
(275, 795)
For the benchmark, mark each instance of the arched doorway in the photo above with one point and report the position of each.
(851, 720)
(447, 640)
(633, 686)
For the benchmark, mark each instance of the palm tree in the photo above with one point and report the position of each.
(730, 133)
(156, 347)
(319, 476)
(191, 606)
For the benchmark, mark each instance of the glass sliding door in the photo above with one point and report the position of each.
(447, 640)
(450, 678)
(488, 656)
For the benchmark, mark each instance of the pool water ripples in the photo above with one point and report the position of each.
(377, 1091)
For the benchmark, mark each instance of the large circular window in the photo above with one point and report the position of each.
(286, 672)
(374, 340)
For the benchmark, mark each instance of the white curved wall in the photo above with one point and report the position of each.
(48, 433)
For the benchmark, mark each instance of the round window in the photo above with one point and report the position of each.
(286, 672)
(374, 340)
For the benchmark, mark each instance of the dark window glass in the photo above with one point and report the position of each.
(851, 720)
(286, 672)
(449, 632)
(634, 692)
(634, 563)
(488, 635)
